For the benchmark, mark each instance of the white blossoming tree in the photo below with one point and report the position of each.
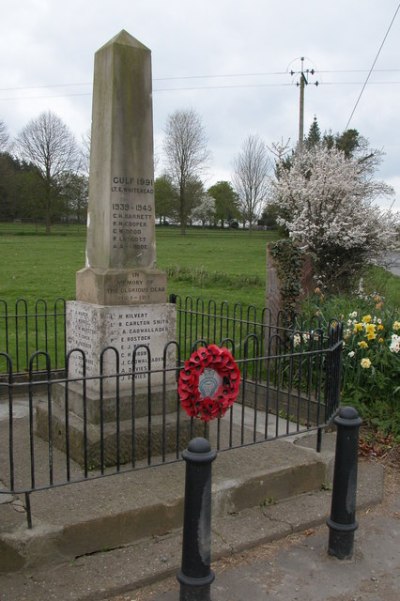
(324, 201)
(205, 211)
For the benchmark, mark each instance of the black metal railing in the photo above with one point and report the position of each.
(28, 328)
(31, 328)
(58, 430)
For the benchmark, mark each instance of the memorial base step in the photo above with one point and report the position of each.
(103, 447)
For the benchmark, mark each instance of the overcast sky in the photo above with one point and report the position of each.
(229, 61)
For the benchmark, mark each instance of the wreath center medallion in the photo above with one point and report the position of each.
(209, 383)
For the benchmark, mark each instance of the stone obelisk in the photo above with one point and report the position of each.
(121, 252)
(120, 294)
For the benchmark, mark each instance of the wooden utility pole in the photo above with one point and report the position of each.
(302, 83)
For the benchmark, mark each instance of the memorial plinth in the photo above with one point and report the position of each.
(120, 294)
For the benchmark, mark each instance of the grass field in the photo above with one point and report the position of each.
(214, 264)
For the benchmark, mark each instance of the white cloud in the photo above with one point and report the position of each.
(44, 43)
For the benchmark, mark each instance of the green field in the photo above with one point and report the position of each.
(213, 264)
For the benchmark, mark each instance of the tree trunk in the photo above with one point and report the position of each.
(48, 209)
(182, 213)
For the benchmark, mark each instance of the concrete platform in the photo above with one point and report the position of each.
(104, 513)
(117, 533)
(92, 539)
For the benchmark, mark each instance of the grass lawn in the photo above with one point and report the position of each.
(214, 264)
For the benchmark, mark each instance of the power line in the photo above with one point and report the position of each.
(221, 75)
(200, 88)
(209, 76)
(172, 78)
(373, 65)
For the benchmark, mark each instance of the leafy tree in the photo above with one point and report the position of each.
(185, 147)
(48, 144)
(269, 216)
(166, 198)
(226, 202)
(74, 195)
(325, 203)
(8, 169)
(350, 141)
(251, 168)
(314, 135)
(19, 188)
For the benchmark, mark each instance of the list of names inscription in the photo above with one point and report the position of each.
(132, 213)
(131, 331)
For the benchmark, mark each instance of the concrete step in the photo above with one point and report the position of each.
(128, 567)
(108, 513)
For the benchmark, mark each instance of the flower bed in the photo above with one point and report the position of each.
(371, 362)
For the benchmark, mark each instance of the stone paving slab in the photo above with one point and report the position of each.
(105, 574)
(106, 513)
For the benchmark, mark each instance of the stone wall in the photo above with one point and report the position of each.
(274, 299)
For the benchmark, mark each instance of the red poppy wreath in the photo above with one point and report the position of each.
(209, 383)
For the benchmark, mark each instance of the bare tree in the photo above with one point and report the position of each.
(86, 141)
(4, 137)
(185, 147)
(47, 143)
(251, 168)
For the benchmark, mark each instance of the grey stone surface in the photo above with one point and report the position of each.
(302, 571)
(99, 446)
(121, 296)
(121, 286)
(121, 246)
(121, 187)
(92, 328)
(109, 512)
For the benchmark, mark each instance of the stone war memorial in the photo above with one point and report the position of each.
(121, 297)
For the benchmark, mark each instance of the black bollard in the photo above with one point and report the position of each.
(342, 522)
(195, 575)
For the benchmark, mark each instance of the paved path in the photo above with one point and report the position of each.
(393, 262)
(298, 568)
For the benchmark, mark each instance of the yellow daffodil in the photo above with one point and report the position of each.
(363, 344)
(365, 363)
(366, 318)
(380, 327)
(370, 331)
(358, 327)
(396, 326)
